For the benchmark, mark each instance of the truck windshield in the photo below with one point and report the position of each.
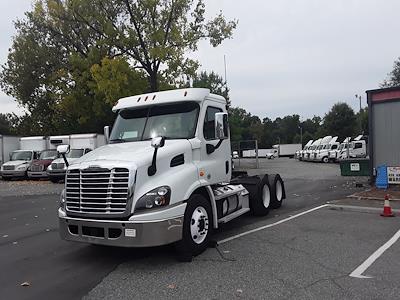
(48, 154)
(21, 155)
(74, 153)
(173, 121)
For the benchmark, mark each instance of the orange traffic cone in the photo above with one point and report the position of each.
(387, 209)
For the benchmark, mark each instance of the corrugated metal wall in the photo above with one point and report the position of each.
(386, 133)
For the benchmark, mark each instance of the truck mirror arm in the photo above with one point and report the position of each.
(211, 148)
(65, 160)
(153, 167)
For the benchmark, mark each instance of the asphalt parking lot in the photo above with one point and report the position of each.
(309, 256)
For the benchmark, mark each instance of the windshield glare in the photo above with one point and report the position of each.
(22, 155)
(48, 154)
(173, 121)
(74, 153)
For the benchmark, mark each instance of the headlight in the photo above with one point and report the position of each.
(62, 199)
(156, 198)
(49, 167)
(23, 167)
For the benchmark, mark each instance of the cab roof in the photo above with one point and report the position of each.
(171, 96)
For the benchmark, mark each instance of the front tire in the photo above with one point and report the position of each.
(197, 227)
(325, 159)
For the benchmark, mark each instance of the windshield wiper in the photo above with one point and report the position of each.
(118, 141)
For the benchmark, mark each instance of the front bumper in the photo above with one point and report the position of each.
(56, 174)
(12, 174)
(121, 233)
(41, 174)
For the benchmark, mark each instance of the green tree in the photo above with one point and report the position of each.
(155, 34)
(212, 81)
(5, 124)
(340, 121)
(393, 78)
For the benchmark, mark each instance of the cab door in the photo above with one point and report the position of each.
(216, 166)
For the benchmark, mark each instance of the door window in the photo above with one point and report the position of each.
(209, 123)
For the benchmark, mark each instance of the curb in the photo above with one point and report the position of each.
(363, 209)
(370, 198)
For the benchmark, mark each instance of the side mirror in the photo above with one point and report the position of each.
(158, 142)
(221, 126)
(107, 134)
(63, 149)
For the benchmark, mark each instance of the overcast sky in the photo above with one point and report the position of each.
(286, 56)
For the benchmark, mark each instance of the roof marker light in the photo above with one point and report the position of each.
(145, 99)
(185, 94)
(138, 99)
(154, 97)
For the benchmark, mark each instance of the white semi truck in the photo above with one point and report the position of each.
(300, 154)
(80, 144)
(164, 177)
(322, 154)
(356, 149)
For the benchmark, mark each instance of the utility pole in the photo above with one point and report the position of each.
(359, 115)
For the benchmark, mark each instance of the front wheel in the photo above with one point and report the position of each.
(197, 227)
(325, 159)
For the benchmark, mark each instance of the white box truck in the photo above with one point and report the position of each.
(164, 177)
(21, 160)
(287, 150)
(80, 144)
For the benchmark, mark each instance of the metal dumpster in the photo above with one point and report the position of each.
(355, 167)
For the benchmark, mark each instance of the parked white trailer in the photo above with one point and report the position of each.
(165, 177)
(57, 140)
(89, 140)
(7, 145)
(34, 143)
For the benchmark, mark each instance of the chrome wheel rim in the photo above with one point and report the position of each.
(199, 225)
(266, 194)
(279, 191)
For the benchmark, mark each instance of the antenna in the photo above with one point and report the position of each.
(225, 67)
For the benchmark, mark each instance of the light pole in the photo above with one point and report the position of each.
(359, 115)
(301, 136)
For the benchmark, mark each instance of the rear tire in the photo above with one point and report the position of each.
(277, 190)
(260, 197)
(325, 159)
(197, 227)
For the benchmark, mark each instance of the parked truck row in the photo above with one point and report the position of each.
(37, 157)
(328, 149)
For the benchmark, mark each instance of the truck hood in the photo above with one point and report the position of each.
(139, 153)
(16, 163)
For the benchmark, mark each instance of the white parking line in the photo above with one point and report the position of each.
(271, 225)
(357, 273)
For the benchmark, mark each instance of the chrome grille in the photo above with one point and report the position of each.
(37, 168)
(8, 168)
(57, 166)
(97, 190)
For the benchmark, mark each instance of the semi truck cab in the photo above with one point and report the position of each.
(164, 176)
